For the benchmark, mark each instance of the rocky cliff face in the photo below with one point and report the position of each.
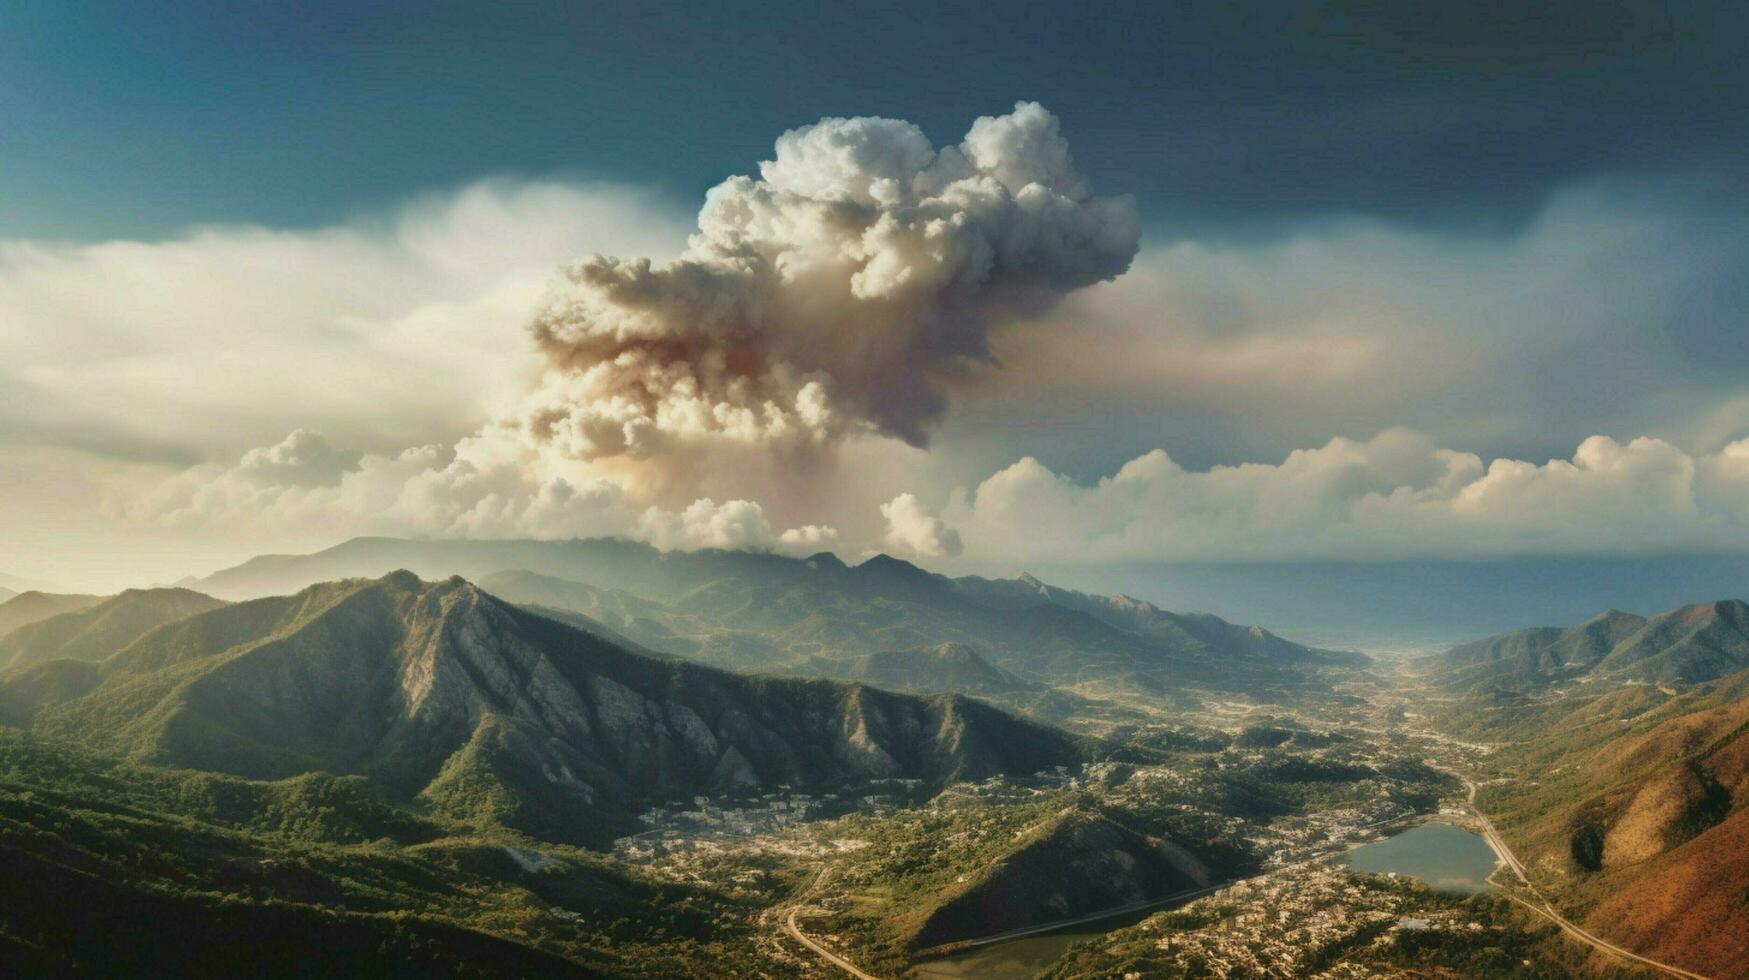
(443, 693)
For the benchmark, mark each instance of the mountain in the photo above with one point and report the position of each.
(1417, 604)
(1074, 862)
(12, 585)
(93, 632)
(174, 873)
(771, 613)
(614, 611)
(30, 607)
(1693, 644)
(6, 593)
(1139, 616)
(1639, 815)
(443, 694)
(945, 667)
(1538, 653)
(1684, 646)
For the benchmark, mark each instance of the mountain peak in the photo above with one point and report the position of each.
(437, 689)
(885, 562)
(402, 579)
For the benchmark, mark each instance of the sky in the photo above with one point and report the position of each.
(982, 285)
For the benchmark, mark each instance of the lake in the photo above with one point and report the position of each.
(1445, 856)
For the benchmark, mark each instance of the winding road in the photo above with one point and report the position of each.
(792, 927)
(1542, 907)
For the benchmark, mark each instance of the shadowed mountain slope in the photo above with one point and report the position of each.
(484, 711)
(1075, 862)
(98, 630)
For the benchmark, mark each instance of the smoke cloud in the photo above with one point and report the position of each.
(841, 292)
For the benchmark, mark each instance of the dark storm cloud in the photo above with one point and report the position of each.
(1222, 117)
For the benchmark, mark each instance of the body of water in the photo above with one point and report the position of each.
(1444, 856)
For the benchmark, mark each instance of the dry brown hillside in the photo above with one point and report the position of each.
(1644, 829)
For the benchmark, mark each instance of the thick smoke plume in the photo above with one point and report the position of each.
(839, 293)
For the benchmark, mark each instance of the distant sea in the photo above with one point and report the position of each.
(1404, 606)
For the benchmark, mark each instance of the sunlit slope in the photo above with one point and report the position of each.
(97, 630)
(444, 694)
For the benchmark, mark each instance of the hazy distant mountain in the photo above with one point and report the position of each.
(1146, 618)
(444, 693)
(12, 585)
(6, 594)
(30, 607)
(1415, 604)
(1689, 645)
(937, 669)
(767, 612)
(93, 631)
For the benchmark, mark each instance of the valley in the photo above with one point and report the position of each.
(790, 767)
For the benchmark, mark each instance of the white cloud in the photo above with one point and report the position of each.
(1618, 307)
(384, 332)
(487, 486)
(1397, 495)
(831, 296)
(912, 529)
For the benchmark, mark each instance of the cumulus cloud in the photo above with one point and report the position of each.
(301, 459)
(486, 486)
(1618, 306)
(386, 331)
(912, 529)
(1398, 495)
(839, 292)
(835, 295)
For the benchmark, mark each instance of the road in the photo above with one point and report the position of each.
(1541, 905)
(792, 927)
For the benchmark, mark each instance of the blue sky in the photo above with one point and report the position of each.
(137, 120)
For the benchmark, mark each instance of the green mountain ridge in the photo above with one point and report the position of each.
(765, 612)
(31, 607)
(443, 695)
(938, 669)
(1693, 644)
(96, 630)
(1077, 860)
